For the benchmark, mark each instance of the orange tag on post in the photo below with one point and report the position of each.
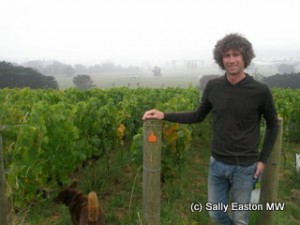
(152, 138)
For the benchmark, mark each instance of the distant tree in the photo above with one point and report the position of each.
(283, 81)
(257, 75)
(68, 70)
(286, 68)
(156, 71)
(18, 76)
(80, 69)
(204, 80)
(35, 64)
(54, 68)
(50, 82)
(83, 82)
(57, 68)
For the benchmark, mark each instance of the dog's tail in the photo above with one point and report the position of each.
(93, 206)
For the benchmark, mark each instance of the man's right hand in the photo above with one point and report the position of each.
(153, 114)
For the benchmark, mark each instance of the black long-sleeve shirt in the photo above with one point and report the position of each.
(237, 111)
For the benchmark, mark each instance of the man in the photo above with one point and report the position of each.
(237, 103)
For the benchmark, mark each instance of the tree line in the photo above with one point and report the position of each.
(12, 75)
(58, 68)
(291, 81)
(15, 76)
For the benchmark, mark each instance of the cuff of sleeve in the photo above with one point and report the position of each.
(263, 158)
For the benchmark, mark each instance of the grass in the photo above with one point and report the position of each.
(119, 188)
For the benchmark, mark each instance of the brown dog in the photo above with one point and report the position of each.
(84, 210)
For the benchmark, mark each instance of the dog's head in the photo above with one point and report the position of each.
(67, 196)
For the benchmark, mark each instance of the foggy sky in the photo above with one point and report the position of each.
(90, 31)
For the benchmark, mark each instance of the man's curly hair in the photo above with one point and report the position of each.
(233, 42)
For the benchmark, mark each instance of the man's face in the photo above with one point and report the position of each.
(233, 62)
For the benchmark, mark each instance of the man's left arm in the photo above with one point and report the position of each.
(271, 119)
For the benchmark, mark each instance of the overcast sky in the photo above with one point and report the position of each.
(90, 31)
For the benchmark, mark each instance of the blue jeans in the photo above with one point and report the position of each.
(229, 183)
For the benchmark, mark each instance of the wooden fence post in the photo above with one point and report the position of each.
(269, 181)
(152, 133)
(3, 209)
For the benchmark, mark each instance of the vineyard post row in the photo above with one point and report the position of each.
(270, 180)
